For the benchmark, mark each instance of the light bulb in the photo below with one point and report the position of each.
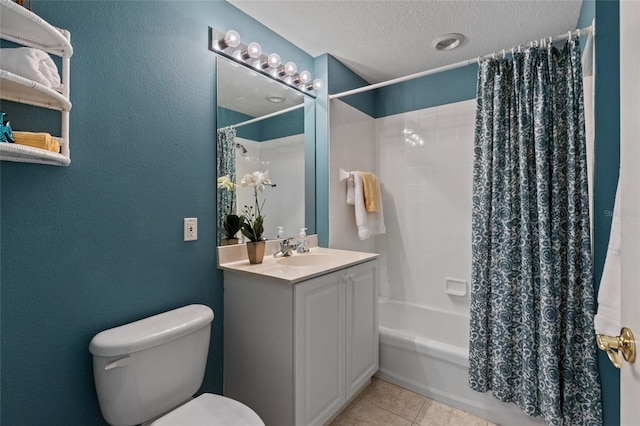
(317, 84)
(254, 50)
(274, 60)
(305, 77)
(290, 68)
(231, 39)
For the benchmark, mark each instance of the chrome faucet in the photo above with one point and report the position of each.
(287, 246)
(302, 246)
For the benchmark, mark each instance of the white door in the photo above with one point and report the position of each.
(630, 201)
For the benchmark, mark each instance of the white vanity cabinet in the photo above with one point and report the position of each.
(336, 340)
(297, 353)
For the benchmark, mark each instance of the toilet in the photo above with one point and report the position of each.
(146, 372)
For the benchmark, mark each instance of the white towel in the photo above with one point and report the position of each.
(351, 196)
(607, 320)
(30, 63)
(368, 223)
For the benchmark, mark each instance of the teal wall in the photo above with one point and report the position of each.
(607, 164)
(99, 243)
(321, 70)
(280, 126)
(425, 92)
(342, 79)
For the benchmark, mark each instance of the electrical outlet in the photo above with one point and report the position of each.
(190, 228)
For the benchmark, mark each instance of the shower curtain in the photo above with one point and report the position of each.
(532, 301)
(226, 165)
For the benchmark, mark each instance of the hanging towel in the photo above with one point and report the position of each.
(371, 192)
(31, 63)
(607, 320)
(368, 223)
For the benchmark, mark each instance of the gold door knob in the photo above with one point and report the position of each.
(624, 343)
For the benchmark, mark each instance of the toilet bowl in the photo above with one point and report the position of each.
(147, 371)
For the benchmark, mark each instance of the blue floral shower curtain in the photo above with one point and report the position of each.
(532, 300)
(226, 165)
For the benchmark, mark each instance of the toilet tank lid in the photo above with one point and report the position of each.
(151, 331)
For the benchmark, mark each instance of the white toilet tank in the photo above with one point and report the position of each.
(148, 367)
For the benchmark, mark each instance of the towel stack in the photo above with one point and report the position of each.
(363, 191)
(37, 140)
(33, 64)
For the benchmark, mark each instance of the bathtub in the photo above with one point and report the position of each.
(426, 351)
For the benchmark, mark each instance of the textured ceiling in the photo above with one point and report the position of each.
(385, 39)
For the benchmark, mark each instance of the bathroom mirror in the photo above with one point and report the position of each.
(271, 127)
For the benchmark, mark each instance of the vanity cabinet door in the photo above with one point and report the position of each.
(319, 339)
(362, 326)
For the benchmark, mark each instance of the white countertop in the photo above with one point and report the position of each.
(274, 268)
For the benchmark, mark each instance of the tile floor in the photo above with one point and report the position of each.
(383, 403)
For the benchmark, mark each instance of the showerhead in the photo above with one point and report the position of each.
(239, 145)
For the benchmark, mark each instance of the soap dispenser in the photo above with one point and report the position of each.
(303, 243)
(280, 233)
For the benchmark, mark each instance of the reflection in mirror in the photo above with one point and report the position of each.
(261, 127)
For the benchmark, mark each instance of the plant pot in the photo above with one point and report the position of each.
(255, 251)
(228, 241)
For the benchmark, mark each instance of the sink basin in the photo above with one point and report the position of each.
(305, 260)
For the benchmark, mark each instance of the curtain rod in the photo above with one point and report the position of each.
(264, 117)
(585, 30)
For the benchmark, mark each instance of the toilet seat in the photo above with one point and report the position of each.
(210, 409)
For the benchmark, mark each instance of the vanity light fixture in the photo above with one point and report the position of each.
(228, 44)
(447, 41)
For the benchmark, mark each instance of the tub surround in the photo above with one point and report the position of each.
(234, 259)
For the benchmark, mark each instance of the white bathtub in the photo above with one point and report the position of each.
(427, 351)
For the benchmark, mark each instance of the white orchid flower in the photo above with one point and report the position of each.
(224, 182)
(257, 180)
(248, 180)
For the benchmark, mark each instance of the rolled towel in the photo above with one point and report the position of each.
(33, 64)
(37, 140)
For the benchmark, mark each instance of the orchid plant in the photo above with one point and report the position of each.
(232, 223)
(253, 226)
